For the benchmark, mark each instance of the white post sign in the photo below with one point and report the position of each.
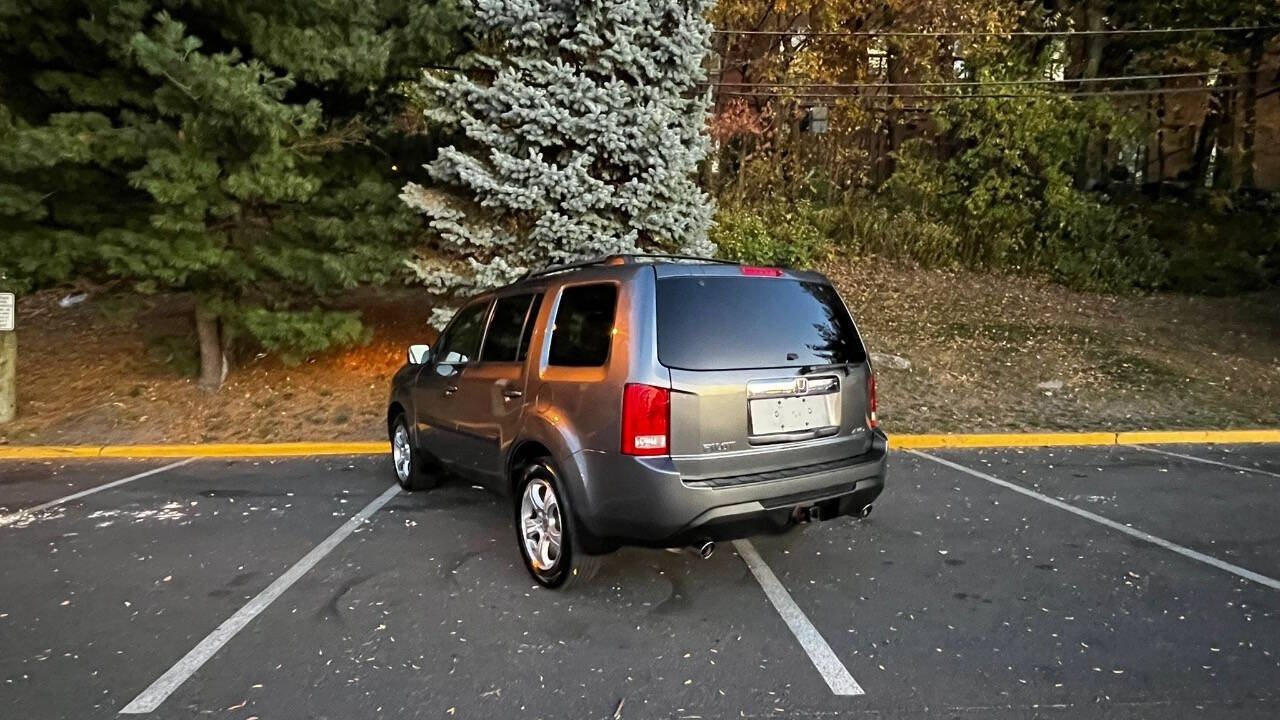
(8, 358)
(6, 312)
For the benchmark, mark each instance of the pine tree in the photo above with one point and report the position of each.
(236, 152)
(581, 125)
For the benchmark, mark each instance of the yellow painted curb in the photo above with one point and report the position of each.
(230, 450)
(901, 442)
(46, 452)
(1158, 437)
(289, 449)
(997, 440)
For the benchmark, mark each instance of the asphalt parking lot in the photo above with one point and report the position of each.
(1110, 582)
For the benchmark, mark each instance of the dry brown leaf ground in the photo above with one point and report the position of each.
(979, 345)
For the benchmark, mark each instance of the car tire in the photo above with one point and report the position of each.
(545, 520)
(406, 461)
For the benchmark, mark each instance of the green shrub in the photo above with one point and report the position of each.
(787, 235)
(1100, 247)
(298, 333)
(1006, 198)
(1217, 247)
(865, 225)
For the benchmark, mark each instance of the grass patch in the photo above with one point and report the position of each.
(1133, 370)
(1011, 333)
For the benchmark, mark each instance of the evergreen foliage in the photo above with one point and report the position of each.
(581, 127)
(239, 152)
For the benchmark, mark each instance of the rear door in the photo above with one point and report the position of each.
(487, 404)
(768, 372)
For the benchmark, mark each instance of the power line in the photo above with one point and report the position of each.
(980, 96)
(728, 61)
(977, 83)
(990, 33)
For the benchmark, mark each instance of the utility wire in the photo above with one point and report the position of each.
(976, 83)
(979, 96)
(989, 33)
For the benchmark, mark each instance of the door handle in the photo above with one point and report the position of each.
(512, 394)
(450, 389)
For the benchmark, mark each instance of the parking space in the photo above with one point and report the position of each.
(1222, 512)
(430, 610)
(957, 598)
(1258, 460)
(104, 594)
(962, 596)
(28, 485)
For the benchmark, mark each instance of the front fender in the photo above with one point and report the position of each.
(401, 385)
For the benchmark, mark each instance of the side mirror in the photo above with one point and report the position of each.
(418, 354)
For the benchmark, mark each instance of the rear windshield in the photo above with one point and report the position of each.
(731, 323)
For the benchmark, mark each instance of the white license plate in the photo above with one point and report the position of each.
(787, 415)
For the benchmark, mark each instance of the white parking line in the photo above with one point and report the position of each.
(151, 698)
(819, 652)
(1206, 461)
(13, 517)
(1184, 551)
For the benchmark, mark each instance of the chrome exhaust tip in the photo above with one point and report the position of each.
(706, 549)
(865, 512)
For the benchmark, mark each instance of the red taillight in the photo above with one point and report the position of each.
(646, 420)
(756, 271)
(872, 420)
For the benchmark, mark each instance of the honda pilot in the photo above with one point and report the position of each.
(656, 401)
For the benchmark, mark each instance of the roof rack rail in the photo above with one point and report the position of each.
(621, 259)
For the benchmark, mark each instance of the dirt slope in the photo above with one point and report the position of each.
(979, 346)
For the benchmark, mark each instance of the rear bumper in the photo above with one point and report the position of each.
(622, 500)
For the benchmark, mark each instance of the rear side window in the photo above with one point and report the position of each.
(502, 342)
(738, 323)
(462, 339)
(583, 326)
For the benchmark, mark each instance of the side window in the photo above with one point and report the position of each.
(583, 326)
(527, 336)
(462, 339)
(503, 339)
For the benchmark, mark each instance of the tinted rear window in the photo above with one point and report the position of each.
(730, 323)
(583, 327)
(503, 339)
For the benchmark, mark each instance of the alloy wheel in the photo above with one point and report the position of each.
(541, 527)
(401, 452)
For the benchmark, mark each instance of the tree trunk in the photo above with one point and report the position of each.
(891, 138)
(1224, 170)
(1089, 171)
(213, 359)
(1160, 152)
(1249, 141)
(1205, 140)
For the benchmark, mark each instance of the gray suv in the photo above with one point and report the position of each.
(646, 400)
